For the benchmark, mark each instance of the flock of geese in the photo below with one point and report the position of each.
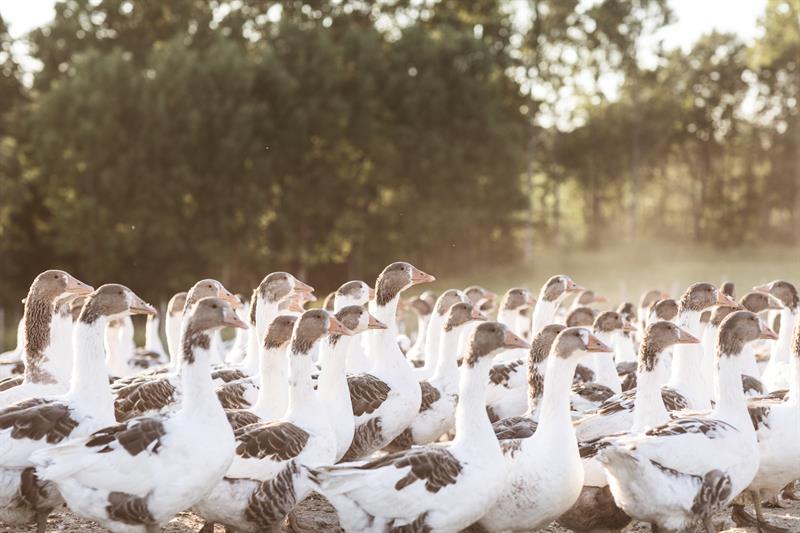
(665, 412)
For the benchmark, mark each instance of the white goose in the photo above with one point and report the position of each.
(777, 374)
(423, 309)
(47, 354)
(137, 475)
(264, 481)
(433, 333)
(624, 348)
(172, 328)
(435, 487)
(38, 423)
(595, 509)
(551, 295)
(387, 399)
(683, 471)
(666, 310)
(355, 292)
(440, 393)
(756, 302)
(544, 472)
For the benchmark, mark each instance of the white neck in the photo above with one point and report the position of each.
(447, 362)
(418, 348)
(648, 405)
(389, 359)
(58, 355)
(333, 391)
(152, 340)
(89, 384)
(604, 363)
(273, 394)
(686, 360)
(709, 344)
(116, 362)
(432, 336)
(198, 396)
(554, 410)
(624, 351)
(172, 329)
(544, 313)
(304, 408)
(731, 402)
(794, 382)
(508, 317)
(473, 427)
(783, 346)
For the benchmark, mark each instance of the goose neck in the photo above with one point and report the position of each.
(447, 362)
(554, 413)
(472, 424)
(648, 405)
(731, 402)
(273, 387)
(303, 406)
(544, 314)
(89, 383)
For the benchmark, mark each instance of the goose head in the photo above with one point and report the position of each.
(611, 322)
(460, 314)
(422, 307)
(206, 288)
(488, 340)
(666, 309)
(720, 312)
(476, 293)
(357, 319)
(517, 298)
(354, 292)
(738, 329)
(543, 342)
(784, 292)
(628, 311)
(587, 297)
(651, 296)
(577, 342)
(75, 307)
(448, 299)
(580, 317)
(756, 302)
(53, 284)
(279, 332)
(114, 302)
(659, 336)
(728, 288)
(557, 287)
(396, 278)
(700, 296)
(276, 286)
(176, 304)
(311, 326)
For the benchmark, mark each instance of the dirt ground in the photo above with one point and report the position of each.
(315, 514)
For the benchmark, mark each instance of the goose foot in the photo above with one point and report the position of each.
(744, 519)
(777, 502)
(41, 522)
(789, 492)
(208, 527)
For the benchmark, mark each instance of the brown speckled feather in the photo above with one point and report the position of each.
(11, 382)
(128, 509)
(437, 467)
(134, 437)
(366, 439)
(273, 499)
(232, 396)
(38, 419)
(144, 397)
(239, 418)
(501, 373)
(367, 393)
(594, 392)
(515, 427)
(228, 374)
(430, 395)
(278, 440)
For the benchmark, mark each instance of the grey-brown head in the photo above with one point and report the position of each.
(312, 326)
(666, 309)
(651, 296)
(354, 292)
(543, 342)
(728, 289)
(517, 297)
(279, 332)
(580, 316)
(588, 297)
(420, 306)
(461, 313)
(207, 314)
(739, 328)
(705, 316)
(555, 288)
(52, 284)
(396, 278)
(357, 319)
(628, 311)
(577, 342)
(476, 293)
(700, 296)
(610, 321)
(177, 303)
(784, 292)
(756, 301)
(489, 339)
(113, 301)
(658, 337)
(720, 312)
(210, 288)
(75, 306)
(448, 299)
(276, 286)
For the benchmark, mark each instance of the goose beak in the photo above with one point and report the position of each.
(374, 323)
(573, 287)
(763, 288)
(773, 303)
(684, 337)
(513, 341)
(664, 295)
(476, 314)
(299, 286)
(628, 327)
(418, 276)
(140, 307)
(530, 300)
(600, 299)
(336, 327)
(596, 345)
(766, 332)
(295, 306)
(77, 287)
(307, 297)
(725, 300)
(231, 299)
(231, 319)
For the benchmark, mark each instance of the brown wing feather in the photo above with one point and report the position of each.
(231, 396)
(515, 427)
(436, 466)
(128, 509)
(144, 397)
(430, 395)
(228, 374)
(135, 436)
(11, 382)
(367, 393)
(38, 419)
(277, 440)
(367, 438)
(238, 418)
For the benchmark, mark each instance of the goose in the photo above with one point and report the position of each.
(544, 472)
(664, 309)
(440, 487)
(777, 425)
(153, 351)
(423, 309)
(151, 393)
(647, 299)
(777, 374)
(624, 349)
(525, 424)
(48, 362)
(443, 304)
(587, 392)
(332, 381)
(265, 481)
(681, 472)
(513, 301)
(648, 403)
(328, 302)
(40, 422)
(476, 293)
(728, 288)
(440, 393)
(595, 509)
(172, 327)
(355, 292)
(757, 302)
(11, 363)
(693, 385)
(587, 298)
(551, 295)
(238, 350)
(137, 475)
(609, 326)
(387, 399)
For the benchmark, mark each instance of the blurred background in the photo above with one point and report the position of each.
(628, 143)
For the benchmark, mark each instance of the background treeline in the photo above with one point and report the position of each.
(164, 141)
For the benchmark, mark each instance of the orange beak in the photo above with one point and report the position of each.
(725, 300)
(140, 307)
(489, 295)
(766, 332)
(763, 288)
(336, 327)
(374, 323)
(299, 286)
(77, 287)
(596, 345)
(572, 286)
(418, 276)
(476, 314)
(234, 321)
(231, 299)
(684, 337)
(530, 300)
(600, 299)
(513, 341)
(773, 303)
